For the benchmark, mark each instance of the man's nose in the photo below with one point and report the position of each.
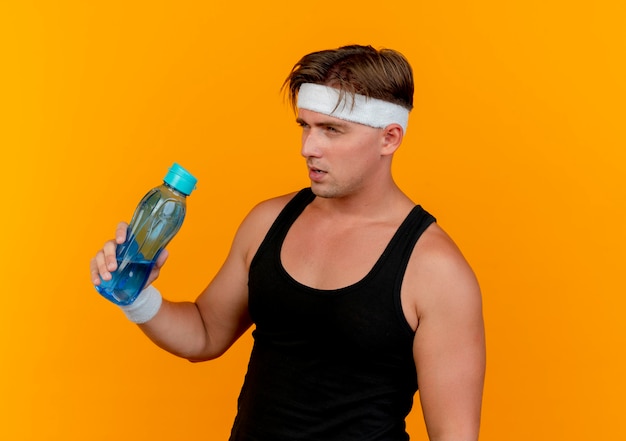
(310, 145)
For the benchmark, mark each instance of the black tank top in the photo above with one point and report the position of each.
(328, 364)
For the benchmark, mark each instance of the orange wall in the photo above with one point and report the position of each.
(517, 144)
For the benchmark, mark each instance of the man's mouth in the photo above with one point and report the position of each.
(316, 174)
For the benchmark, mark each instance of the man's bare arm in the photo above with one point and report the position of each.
(206, 328)
(449, 346)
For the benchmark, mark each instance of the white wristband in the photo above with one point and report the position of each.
(145, 306)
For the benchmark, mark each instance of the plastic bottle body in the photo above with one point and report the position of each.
(156, 220)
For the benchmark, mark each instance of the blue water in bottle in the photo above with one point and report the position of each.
(156, 220)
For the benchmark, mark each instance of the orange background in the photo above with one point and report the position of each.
(517, 144)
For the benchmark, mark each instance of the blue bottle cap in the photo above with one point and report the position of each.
(180, 179)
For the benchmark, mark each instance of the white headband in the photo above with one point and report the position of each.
(368, 111)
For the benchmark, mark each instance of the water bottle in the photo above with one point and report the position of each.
(156, 220)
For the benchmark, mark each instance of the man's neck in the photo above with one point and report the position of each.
(379, 203)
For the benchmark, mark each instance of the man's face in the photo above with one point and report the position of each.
(342, 157)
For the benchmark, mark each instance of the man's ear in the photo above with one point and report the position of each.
(392, 138)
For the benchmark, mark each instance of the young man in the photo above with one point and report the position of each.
(356, 294)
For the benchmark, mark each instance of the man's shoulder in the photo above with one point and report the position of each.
(441, 272)
(257, 223)
(269, 209)
(436, 248)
